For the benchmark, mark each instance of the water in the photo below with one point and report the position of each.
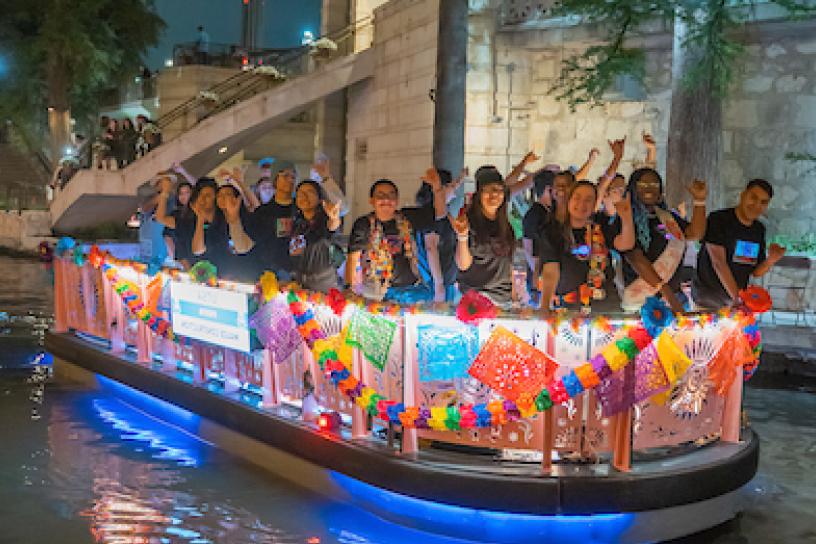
(83, 465)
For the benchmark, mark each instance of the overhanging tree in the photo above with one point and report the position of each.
(705, 53)
(66, 54)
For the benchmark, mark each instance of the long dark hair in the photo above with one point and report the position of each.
(479, 222)
(184, 209)
(639, 214)
(303, 225)
(566, 228)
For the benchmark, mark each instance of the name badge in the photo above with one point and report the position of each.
(284, 227)
(746, 252)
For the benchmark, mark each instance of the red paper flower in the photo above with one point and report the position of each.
(756, 299)
(474, 307)
(96, 257)
(336, 301)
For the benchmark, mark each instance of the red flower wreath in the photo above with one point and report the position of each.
(756, 299)
(474, 307)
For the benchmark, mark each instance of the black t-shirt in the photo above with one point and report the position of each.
(535, 220)
(553, 247)
(491, 272)
(447, 252)
(219, 248)
(310, 245)
(270, 227)
(744, 251)
(658, 243)
(419, 218)
(183, 239)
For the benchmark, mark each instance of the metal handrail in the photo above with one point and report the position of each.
(252, 82)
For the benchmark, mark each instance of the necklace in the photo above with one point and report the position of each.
(380, 266)
(595, 251)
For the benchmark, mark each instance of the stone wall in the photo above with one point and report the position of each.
(390, 116)
(24, 230)
(770, 111)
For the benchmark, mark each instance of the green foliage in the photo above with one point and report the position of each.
(68, 53)
(709, 41)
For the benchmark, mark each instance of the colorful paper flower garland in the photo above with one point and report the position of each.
(612, 359)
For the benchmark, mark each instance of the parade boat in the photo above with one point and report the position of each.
(466, 422)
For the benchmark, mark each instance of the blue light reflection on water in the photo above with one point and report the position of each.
(352, 524)
(485, 525)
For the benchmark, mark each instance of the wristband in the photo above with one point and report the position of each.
(462, 237)
(700, 203)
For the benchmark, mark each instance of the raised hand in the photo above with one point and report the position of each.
(232, 207)
(617, 147)
(624, 208)
(332, 210)
(776, 252)
(431, 177)
(698, 189)
(165, 185)
(530, 157)
(648, 140)
(594, 153)
(323, 168)
(195, 205)
(461, 225)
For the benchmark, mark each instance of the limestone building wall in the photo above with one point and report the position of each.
(390, 116)
(770, 111)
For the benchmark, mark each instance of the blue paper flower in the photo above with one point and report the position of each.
(656, 316)
(64, 245)
(154, 267)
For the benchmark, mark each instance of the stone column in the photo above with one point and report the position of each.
(451, 70)
(330, 113)
(695, 128)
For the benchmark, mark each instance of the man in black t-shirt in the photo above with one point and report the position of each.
(734, 249)
(383, 242)
(271, 228)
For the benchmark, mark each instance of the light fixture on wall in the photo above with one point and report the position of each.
(222, 150)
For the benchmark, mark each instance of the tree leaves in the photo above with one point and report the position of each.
(587, 76)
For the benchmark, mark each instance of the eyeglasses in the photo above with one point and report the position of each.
(384, 196)
(645, 183)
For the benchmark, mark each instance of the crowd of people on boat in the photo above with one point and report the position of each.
(605, 245)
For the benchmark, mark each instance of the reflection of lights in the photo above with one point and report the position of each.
(222, 150)
(308, 37)
(140, 427)
(483, 525)
(168, 63)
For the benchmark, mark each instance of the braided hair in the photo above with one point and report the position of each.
(640, 214)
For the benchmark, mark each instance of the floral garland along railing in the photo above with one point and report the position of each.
(656, 316)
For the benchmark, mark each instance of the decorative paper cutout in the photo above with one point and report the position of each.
(372, 335)
(445, 353)
(636, 382)
(276, 329)
(510, 366)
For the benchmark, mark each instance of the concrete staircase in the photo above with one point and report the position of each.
(100, 196)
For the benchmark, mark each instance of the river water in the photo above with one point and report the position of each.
(83, 465)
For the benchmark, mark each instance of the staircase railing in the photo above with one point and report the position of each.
(252, 81)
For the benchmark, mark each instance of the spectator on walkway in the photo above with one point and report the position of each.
(128, 138)
(202, 46)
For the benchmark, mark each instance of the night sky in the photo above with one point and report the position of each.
(284, 22)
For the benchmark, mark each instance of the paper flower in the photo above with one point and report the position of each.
(96, 257)
(269, 285)
(656, 315)
(474, 307)
(203, 272)
(336, 301)
(756, 299)
(64, 245)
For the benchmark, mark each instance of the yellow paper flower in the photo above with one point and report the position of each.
(269, 285)
(615, 358)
